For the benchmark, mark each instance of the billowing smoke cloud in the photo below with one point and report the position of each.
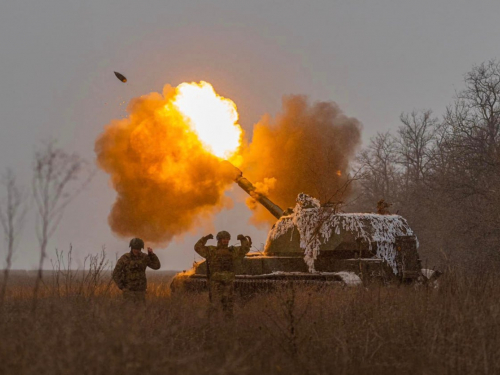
(306, 148)
(168, 182)
(165, 180)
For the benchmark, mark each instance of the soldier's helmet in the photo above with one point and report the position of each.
(136, 243)
(223, 234)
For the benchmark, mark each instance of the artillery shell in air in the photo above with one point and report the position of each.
(121, 77)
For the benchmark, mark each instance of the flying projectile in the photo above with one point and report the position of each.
(121, 77)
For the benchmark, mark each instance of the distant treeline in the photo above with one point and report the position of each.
(443, 174)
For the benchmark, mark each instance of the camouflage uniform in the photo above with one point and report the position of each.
(130, 274)
(221, 262)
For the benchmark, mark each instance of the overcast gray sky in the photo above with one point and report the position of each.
(376, 59)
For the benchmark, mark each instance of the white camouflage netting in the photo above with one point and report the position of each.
(316, 225)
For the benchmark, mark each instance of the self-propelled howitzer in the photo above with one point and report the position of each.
(312, 244)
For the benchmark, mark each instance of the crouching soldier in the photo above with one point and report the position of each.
(221, 261)
(130, 271)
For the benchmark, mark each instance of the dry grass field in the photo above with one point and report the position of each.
(81, 326)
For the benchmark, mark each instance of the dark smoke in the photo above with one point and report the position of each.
(305, 149)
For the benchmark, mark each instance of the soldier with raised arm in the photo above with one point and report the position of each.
(130, 271)
(221, 262)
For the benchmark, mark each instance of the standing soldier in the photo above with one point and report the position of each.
(383, 207)
(221, 261)
(130, 271)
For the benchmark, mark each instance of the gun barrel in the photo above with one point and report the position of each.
(246, 185)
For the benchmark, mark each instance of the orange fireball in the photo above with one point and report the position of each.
(212, 117)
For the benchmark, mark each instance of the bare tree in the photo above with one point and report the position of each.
(480, 103)
(472, 147)
(12, 214)
(57, 180)
(378, 162)
(473, 128)
(416, 141)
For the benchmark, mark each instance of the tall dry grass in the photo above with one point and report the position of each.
(85, 328)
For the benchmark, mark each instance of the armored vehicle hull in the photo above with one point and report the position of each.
(316, 246)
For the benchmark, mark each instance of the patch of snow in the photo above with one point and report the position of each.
(350, 278)
(427, 273)
(364, 260)
(284, 273)
(432, 277)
